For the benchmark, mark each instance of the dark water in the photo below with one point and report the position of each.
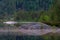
(29, 38)
(11, 37)
(23, 37)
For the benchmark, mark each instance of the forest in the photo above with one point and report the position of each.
(45, 11)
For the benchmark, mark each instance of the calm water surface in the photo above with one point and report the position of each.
(17, 37)
(12, 37)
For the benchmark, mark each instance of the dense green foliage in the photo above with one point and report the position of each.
(51, 37)
(50, 16)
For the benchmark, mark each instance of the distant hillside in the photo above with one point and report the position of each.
(33, 4)
(11, 6)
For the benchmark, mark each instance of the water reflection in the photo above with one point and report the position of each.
(25, 37)
(29, 38)
(32, 34)
(17, 37)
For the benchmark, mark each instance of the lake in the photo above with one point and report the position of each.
(17, 37)
(23, 37)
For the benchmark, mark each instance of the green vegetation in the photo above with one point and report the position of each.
(51, 17)
(51, 37)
